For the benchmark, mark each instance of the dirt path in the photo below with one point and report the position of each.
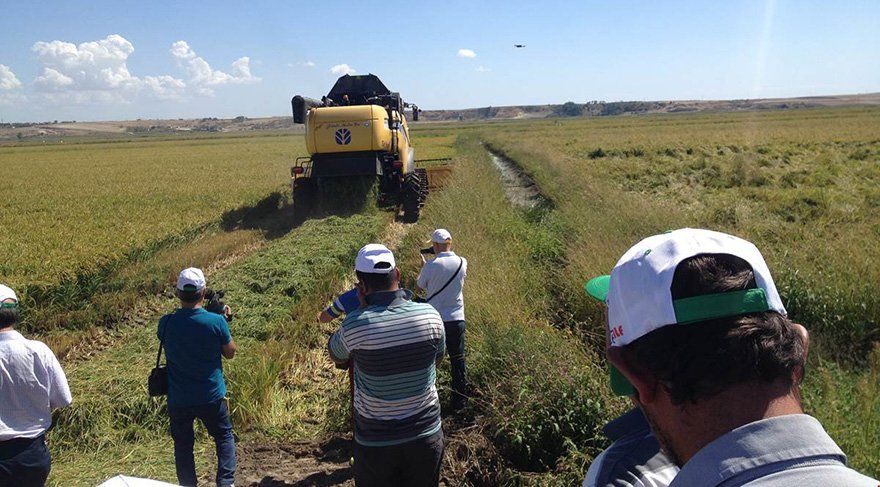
(295, 464)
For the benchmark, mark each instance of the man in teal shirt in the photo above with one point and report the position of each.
(195, 342)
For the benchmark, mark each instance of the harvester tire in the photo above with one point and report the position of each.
(304, 194)
(411, 197)
(423, 188)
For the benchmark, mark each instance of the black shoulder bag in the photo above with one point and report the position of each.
(460, 264)
(157, 383)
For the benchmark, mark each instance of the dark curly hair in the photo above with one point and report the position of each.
(698, 360)
(8, 317)
(376, 281)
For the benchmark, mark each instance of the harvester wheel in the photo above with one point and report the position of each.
(304, 193)
(423, 188)
(411, 197)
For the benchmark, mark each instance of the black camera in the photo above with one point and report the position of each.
(429, 250)
(215, 303)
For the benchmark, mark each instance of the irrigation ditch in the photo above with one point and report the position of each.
(520, 188)
(523, 192)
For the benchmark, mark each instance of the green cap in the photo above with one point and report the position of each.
(597, 288)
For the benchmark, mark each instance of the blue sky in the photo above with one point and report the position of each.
(579, 51)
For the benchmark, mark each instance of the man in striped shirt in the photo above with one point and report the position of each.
(394, 346)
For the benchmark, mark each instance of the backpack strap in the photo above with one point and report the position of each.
(162, 322)
(460, 264)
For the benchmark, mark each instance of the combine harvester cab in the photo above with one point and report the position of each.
(358, 130)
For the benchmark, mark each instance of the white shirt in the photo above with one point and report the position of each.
(435, 274)
(32, 384)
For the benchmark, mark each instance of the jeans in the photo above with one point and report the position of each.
(455, 349)
(215, 417)
(24, 462)
(412, 464)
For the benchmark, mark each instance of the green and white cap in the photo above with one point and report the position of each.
(7, 295)
(638, 292)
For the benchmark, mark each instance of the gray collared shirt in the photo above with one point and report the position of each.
(32, 384)
(634, 459)
(785, 451)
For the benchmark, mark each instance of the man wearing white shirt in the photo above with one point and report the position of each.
(32, 384)
(443, 279)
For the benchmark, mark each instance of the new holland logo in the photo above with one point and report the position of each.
(343, 136)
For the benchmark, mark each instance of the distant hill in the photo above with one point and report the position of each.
(570, 109)
(602, 108)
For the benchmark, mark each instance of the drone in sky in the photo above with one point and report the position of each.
(519, 46)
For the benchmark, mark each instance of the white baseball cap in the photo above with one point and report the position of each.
(638, 292)
(191, 279)
(374, 259)
(7, 293)
(441, 235)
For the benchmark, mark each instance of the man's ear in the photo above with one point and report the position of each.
(397, 274)
(805, 335)
(644, 383)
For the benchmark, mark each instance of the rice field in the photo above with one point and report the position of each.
(100, 228)
(69, 208)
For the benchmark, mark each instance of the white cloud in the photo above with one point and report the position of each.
(482, 69)
(341, 69)
(181, 50)
(307, 64)
(203, 76)
(52, 80)
(241, 69)
(97, 65)
(467, 53)
(165, 87)
(8, 81)
(96, 71)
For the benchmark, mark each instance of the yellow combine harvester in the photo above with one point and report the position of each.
(359, 130)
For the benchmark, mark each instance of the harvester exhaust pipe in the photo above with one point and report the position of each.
(301, 106)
